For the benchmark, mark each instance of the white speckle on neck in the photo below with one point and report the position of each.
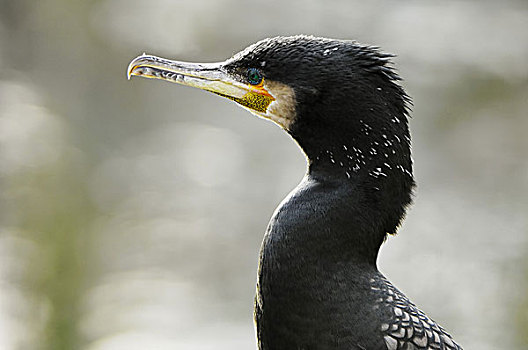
(377, 172)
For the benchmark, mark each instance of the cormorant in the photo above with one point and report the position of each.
(318, 284)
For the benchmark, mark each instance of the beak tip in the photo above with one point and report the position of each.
(134, 64)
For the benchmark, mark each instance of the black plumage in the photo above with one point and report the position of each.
(318, 283)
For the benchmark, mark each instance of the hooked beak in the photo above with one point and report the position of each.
(205, 76)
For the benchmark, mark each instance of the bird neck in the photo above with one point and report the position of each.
(356, 191)
(372, 159)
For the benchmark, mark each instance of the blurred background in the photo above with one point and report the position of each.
(131, 212)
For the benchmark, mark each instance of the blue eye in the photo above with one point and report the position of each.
(253, 76)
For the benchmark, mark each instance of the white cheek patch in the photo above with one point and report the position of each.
(282, 110)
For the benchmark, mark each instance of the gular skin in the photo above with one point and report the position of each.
(318, 284)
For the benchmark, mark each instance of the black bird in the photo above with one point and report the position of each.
(318, 284)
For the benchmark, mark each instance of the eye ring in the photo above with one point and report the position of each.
(254, 76)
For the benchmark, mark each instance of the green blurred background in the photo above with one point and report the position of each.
(131, 212)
